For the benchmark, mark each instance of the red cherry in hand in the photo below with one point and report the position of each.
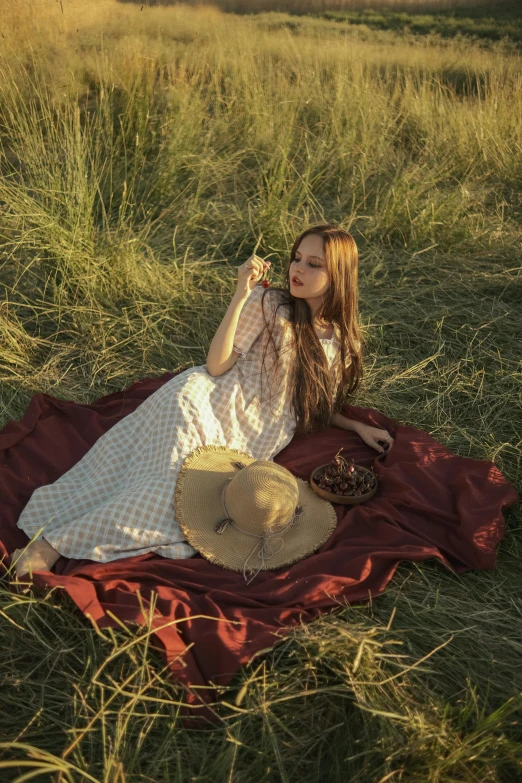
(265, 283)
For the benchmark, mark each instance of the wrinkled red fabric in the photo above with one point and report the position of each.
(430, 503)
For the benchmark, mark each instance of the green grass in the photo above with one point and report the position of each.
(468, 21)
(494, 26)
(143, 154)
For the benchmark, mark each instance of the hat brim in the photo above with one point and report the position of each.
(199, 509)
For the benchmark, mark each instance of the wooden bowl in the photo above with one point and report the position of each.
(350, 500)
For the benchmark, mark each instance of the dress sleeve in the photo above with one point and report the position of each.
(251, 321)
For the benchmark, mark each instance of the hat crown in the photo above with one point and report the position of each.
(261, 498)
(251, 515)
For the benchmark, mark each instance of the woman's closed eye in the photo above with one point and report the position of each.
(310, 263)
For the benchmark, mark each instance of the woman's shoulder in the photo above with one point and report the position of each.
(336, 343)
(272, 300)
(337, 333)
(280, 299)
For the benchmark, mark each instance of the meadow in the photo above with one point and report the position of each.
(479, 21)
(144, 150)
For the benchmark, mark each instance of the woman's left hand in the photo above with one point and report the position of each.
(370, 435)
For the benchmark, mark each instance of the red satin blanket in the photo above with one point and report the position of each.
(430, 503)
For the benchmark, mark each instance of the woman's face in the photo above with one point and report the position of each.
(309, 267)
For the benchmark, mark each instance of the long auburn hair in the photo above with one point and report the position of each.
(312, 385)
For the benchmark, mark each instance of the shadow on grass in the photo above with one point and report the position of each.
(486, 21)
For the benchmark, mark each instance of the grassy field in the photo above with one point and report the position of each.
(479, 21)
(144, 151)
(482, 24)
(470, 8)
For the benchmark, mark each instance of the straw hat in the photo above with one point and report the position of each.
(246, 514)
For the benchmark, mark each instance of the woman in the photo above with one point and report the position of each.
(281, 363)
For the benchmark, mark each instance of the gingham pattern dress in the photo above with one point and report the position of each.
(118, 500)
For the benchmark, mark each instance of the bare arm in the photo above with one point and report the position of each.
(373, 436)
(338, 420)
(221, 355)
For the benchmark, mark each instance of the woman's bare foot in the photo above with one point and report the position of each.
(38, 555)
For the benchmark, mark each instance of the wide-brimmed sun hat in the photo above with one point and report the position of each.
(246, 514)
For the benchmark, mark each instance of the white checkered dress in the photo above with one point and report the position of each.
(118, 500)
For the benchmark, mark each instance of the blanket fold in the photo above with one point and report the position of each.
(430, 503)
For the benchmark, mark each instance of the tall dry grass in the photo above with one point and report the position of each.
(143, 154)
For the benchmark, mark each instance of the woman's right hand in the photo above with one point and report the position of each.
(250, 273)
